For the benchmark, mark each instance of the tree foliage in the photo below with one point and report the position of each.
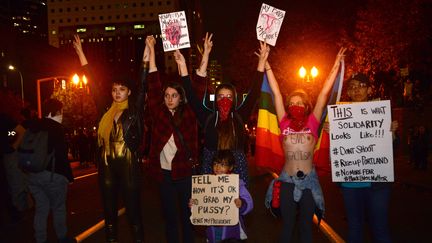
(79, 109)
(389, 35)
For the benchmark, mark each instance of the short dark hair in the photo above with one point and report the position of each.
(360, 77)
(51, 106)
(226, 156)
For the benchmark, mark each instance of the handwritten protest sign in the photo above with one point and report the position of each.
(174, 31)
(361, 142)
(269, 23)
(213, 199)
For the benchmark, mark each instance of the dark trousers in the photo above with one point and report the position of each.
(289, 208)
(175, 195)
(121, 176)
(368, 202)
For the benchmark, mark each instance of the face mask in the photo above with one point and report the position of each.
(297, 113)
(57, 118)
(224, 107)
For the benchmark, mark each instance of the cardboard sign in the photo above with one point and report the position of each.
(269, 23)
(361, 142)
(213, 199)
(174, 31)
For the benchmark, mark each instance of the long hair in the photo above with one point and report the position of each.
(226, 129)
(178, 114)
(305, 98)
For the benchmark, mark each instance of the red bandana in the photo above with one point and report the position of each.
(297, 113)
(224, 106)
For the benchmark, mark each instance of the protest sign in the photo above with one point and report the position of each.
(269, 24)
(213, 199)
(174, 31)
(361, 142)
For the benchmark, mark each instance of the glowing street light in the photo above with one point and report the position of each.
(12, 68)
(304, 74)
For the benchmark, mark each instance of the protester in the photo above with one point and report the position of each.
(119, 136)
(223, 163)
(49, 187)
(364, 199)
(300, 187)
(17, 181)
(223, 126)
(173, 148)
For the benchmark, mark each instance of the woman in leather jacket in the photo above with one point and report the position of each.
(119, 136)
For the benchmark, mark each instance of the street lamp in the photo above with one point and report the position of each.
(81, 84)
(304, 74)
(12, 68)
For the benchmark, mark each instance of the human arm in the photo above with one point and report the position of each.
(143, 78)
(208, 45)
(151, 42)
(79, 51)
(181, 63)
(324, 93)
(274, 86)
(254, 92)
(246, 199)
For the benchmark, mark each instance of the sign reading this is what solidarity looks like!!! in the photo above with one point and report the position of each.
(361, 142)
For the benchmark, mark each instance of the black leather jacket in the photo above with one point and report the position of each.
(131, 118)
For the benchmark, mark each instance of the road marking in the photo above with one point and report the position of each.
(84, 235)
(323, 226)
(84, 176)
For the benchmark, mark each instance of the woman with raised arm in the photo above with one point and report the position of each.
(119, 136)
(299, 124)
(224, 126)
(173, 148)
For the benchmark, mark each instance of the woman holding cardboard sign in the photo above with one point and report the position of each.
(173, 148)
(299, 185)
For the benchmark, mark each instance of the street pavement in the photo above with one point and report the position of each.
(410, 207)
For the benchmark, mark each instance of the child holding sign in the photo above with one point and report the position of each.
(223, 163)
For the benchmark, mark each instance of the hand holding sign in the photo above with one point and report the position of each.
(174, 31)
(269, 23)
(215, 199)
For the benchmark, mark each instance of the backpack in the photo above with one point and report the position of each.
(33, 153)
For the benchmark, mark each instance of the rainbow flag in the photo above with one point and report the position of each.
(268, 148)
(322, 148)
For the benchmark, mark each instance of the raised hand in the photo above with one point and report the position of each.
(179, 58)
(150, 41)
(77, 44)
(79, 51)
(208, 43)
(263, 55)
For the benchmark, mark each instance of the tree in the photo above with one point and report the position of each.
(389, 35)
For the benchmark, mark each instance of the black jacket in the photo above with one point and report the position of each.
(57, 141)
(131, 118)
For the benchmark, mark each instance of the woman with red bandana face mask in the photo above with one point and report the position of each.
(299, 124)
(223, 127)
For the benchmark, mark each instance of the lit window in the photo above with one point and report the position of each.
(109, 28)
(81, 30)
(139, 26)
(16, 24)
(53, 32)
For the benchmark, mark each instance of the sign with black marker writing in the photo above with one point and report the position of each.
(361, 142)
(213, 199)
(174, 31)
(269, 24)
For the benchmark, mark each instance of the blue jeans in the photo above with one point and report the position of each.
(371, 202)
(49, 195)
(175, 192)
